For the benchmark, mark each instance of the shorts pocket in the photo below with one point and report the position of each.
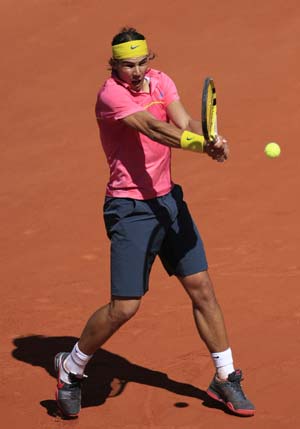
(116, 209)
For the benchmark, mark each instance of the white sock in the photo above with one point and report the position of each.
(76, 361)
(224, 363)
(63, 374)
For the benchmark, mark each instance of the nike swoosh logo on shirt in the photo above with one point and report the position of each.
(134, 47)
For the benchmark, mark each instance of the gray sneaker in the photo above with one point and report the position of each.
(68, 395)
(231, 394)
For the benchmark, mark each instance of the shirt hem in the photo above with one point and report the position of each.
(136, 194)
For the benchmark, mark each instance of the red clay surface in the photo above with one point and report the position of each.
(54, 251)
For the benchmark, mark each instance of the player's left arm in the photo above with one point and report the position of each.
(180, 117)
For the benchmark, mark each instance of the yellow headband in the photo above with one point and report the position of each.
(131, 49)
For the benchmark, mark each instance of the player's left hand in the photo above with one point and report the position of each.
(217, 149)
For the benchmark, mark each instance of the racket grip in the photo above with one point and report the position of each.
(192, 141)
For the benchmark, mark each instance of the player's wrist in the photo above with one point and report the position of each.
(192, 141)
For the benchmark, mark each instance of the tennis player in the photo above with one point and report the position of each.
(140, 118)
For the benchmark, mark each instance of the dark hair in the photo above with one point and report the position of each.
(125, 35)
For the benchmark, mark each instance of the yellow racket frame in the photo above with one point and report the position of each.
(209, 110)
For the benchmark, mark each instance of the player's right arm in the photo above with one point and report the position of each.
(159, 131)
(165, 132)
(176, 134)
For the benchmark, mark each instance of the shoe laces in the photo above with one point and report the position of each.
(76, 380)
(235, 379)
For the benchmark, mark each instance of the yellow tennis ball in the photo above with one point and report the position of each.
(272, 150)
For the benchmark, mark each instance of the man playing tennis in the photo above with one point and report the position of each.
(140, 118)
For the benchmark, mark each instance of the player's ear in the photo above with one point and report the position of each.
(113, 63)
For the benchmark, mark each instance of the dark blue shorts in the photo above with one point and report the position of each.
(140, 230)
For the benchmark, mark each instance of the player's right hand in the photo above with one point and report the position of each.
(217, 149)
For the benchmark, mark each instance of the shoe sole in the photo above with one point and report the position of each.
(57, 360)
(229, 405)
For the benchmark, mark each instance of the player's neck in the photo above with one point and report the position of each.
(146, 85)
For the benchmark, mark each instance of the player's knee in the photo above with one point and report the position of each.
(123, 310)
(202, 292)
(207, 295)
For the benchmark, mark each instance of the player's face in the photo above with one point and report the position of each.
(132, 71)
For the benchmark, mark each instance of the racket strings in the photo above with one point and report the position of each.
(212, 112)
(209, 110)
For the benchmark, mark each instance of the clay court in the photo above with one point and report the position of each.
(54, 250)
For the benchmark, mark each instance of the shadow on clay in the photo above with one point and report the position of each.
(108, 373)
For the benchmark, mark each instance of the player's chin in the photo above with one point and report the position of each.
(137, 85)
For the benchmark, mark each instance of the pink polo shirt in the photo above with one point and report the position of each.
(139, 167)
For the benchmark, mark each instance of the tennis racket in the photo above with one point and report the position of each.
(209, 110)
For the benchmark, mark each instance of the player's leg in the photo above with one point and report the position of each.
(135, 235)
(70, 367)
(206, 310)
(183, 255)
(105, 322)
(226, 384)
